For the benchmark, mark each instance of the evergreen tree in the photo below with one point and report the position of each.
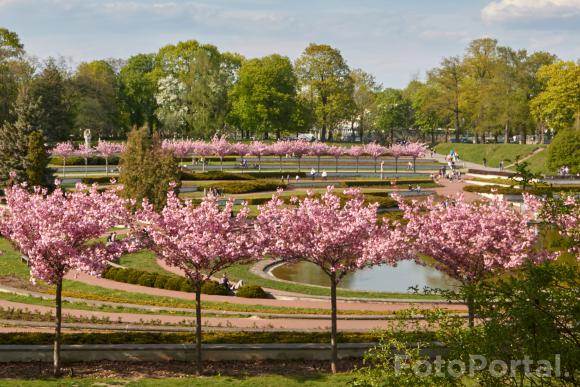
(147, 169)
(37, 160)
(14, 136)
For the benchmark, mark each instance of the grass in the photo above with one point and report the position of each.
(494, 153)
(143, 260)
(537, 163)
(317, 380)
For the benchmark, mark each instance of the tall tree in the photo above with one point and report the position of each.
(264, 97)
(365, 89)
(138, 85)
(13, 71)
(146, 170)
(14, 136)
(558, 105)
(37, 160)
(393, 112)
(97, 107)
(325, 81)
(50, 90)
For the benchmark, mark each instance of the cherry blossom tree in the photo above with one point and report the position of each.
(199, 240)
(415, 150)
(318, 149)
(59, 232)
(322, 231)
(64, 150)
(281, 149)
(397, 150)
(356, 152)
(470, 240)
(375, 151)
(298, 149)
(202, 149)
(106, 149)
(85, 152)
(259, 149)
(336, 152)
(221, 147)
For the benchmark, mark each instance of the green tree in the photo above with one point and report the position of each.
(326, 83)
(393, 113)
(138, 84)
(558, 105)
(96, 95)
(565, 151)
(146, 170)
(50, 89)
(264, 97)
(13, 72)
(37, 160)
(365, 89)
(14, 136)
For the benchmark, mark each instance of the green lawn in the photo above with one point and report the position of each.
(538, 163)
(318, 380)
(494, 153)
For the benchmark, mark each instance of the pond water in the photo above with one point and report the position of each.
(379, 278)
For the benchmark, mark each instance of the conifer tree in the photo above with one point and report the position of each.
(37, 160)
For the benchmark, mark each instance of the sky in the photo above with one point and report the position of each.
(396, 41)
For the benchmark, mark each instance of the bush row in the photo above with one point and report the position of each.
(219, 175)
(245, 186)
(542, 190)
(386, 182)
(97, 179)
(76, 160)
(170, 282)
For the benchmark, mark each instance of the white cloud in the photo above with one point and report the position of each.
(530, 10)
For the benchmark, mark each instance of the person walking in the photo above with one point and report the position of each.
(312, 173)
(484, 162)
(501, 165)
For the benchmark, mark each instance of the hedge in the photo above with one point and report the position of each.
(214, 175)
(271, 174)
(246, 186)
(161, 281)
(386, 182)
(542, 190)
(76, 160)
(97, 179)
(251, 291)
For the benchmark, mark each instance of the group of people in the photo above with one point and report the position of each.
(313, 174)
(225, 282)
(564, 171)
(213, 191)
(449, 172)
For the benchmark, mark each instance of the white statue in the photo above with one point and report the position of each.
(87, 134)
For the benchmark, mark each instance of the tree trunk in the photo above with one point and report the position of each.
(323, 132)
(357, 165)
(298, 164)
(259, 163)
(414, 164)
(86, 166)
(375, 164)
(318, 164)
(198, 363)
(203, 164)
(57, 326)
(506, 133)
(336, 164)
(221, 163)
(396, 165)
(280, 163)
(63, 167)
(333, 345)
(470, 314)
(457, 129)
(106, 166)
(432, 136)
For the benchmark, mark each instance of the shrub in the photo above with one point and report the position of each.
(110, 272)
(97, 179)
(214, 175)
(386, 182)
(186, 285)
(173, 284)
(247, 186)
(147, 279)
(251, 291)
(160, 281)
(273, 175)
(214, 288)
(134, 275)
(75, 160)
(121, 275)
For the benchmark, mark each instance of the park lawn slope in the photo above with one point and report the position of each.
(494, 153)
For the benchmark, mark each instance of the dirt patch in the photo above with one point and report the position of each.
(21, 283)
(174, 369)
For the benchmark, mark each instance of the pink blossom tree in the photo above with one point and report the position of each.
(415, 150)
(202, 149)
(85, 152)
(336, 152)
(221, 147)
(322, 231)
(258, 149)
(356, 152)
(397, 150)
(106, 149)
(470, 240)
(199, 240)
(298, 149)
(375, 151)
(318, 149)
(59, 232)
(281, 149)
(64, 150)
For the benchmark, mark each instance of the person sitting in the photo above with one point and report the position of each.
(237, 285)
(324, 175)
(225, 282)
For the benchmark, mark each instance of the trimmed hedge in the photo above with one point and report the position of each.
(246, 186)
(542, 190)
(214, 175)
(251, 291)
(272, 175)
(97, 179)
(76, 160)
(161, 281)
(386, 182)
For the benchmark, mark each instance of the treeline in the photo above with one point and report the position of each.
(194, 90)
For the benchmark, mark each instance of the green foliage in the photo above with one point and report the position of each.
(186, 285)
(251, 291)
(524, 176)
(538, 190)
(137, 85)
(147, 280)
(565, 151)
(387, 182)
(36, 160)
(393, 112)
(93, 160)
(121, 275)
(134, 275)
(213, 287)
(97, 180)
(173, 283)
(146, 170)
(246, 186)
(160, 281)
(493, 153)
(213, 175)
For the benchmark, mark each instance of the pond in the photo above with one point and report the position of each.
(377, 279)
